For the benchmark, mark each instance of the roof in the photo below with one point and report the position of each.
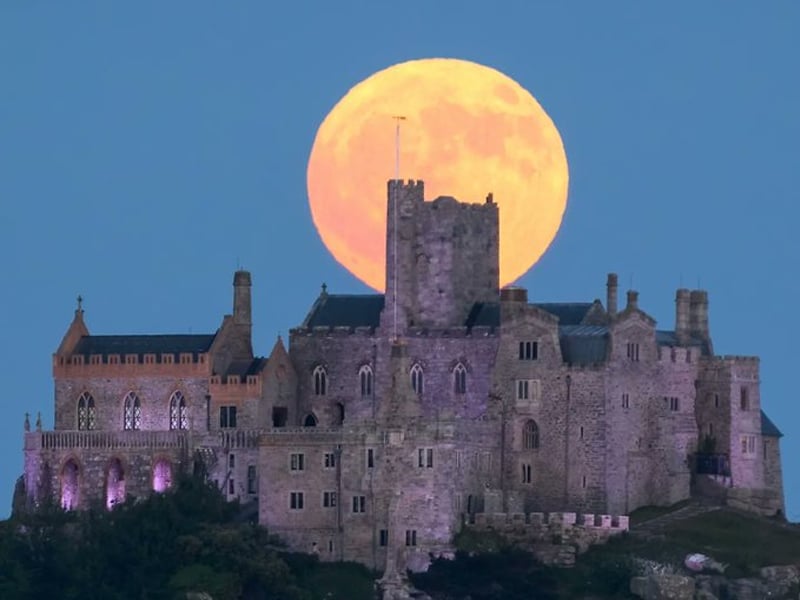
(568, 313)
(483, 314)
(346, 311)
(768, 427)
(583, 344)
(668, 338)
(143, 344)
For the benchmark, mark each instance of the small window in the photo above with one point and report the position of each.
(583, 481)
(626, 401)
(528, 350)
(252, 480)
(329, 460)
(365, 381)
(227, 417)
(231, 461)
(744, 400)
(383, 537)
(748, 445)
(530, 435)
(231, 487)
(296, 500)
(633, 351)
(580, 433)
(674, 404)
(328, 499)
(411, 537)
(716, 400)
(523, 389)
(370, 458)
(280, 414)
(460, 379)
(425, 458)
(526, 473)
(417, 379)
(320, 381)
(359, 504)
(297, 461)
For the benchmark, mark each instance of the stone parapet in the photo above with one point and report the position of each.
(186, 364)
(65, 440)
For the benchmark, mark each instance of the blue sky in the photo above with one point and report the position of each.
(147, 150)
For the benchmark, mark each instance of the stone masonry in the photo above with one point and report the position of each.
(392, 420)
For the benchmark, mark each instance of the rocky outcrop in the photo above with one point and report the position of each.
(663, 587)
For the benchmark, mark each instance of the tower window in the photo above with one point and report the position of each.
(320, 381)
(365, 380)
(460, 379)
(178, 415)
(528, 350)
(227, 417)
(744, 400)
(530, 435)
(633, 351)
(132, 412)
(417, 381)
(86, 414)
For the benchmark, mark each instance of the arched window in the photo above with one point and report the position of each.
(70, 475)
(162, 475)
(460, 379)
(310, 421)
(83, 415)
(530, 435)
(115, 484)
(132, 412)
(91, 421)
(178, 415)
(320, 381)
(417, 379)
(365, 379)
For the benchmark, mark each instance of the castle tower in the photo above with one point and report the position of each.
(241, 298)
(441, 258)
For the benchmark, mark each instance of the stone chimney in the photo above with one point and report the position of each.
(633, 300)
(241, 298)
(611, 294)
(514, 294)
(682, 328)
(698, 314)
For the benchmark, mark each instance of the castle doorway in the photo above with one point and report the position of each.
(70, 479)
(115, 484)
(162, 475)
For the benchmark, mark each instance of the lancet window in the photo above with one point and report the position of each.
(417, 379)
(178, 413)
(365, 379)
(460, 379)
(320, 381)
(132, 412)
(530, 435)
(86, 414)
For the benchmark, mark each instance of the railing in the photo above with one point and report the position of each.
(105, 439)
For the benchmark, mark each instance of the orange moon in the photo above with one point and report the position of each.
(468, 130)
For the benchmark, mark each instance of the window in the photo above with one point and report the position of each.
(320, 381)
(417, 379)
(162, 475)
(280, 414)
(526, 473)
(748, 445)
(710, 430)
(633, 351)
(252, 480)
(132, 412)
(231, 487)
(583, 481)
(383, 537)
(227, 416)
(626, 401)
(296, 500)
(297, 461)
(528, 350)
(370, 458)
(460, 379)
(411, 537)
(365, 379)
(580, 434)
(310, 421)
(744, 400)
(231, 461)
(425, 458)
(359, 504)
(530, 435)
(178, 416)
(716, 400)
(674, 404)
(328, 499)
(329, 460)
(86, 418)
(339, 411)
(528, 389)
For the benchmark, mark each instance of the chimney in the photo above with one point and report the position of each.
(611, 294)
(682, 316)
(512, 293)
(241, 298)
(698, 314)
(633, 300)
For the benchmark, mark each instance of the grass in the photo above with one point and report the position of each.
(647, 513)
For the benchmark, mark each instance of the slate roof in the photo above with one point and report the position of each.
(346, 311)
(768, 427)
(668, 338)
(568, 313)
(243, 368)
(484, 314)
(143, 344)
(583, 344)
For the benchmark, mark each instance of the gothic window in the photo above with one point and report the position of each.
(530, 435)
(417, 379)
(365, 380)
(460, 379)
(69, 485)
(82, 411)
(178, 414)
(162, 475)
(115, 484)
(132, 412)
(91, 421)
(320, 381)
(310, 421)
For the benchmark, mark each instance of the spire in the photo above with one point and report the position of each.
(77, 329)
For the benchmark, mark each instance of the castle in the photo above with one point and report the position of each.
(392, 419)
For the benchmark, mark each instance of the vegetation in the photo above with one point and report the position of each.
(186, 540)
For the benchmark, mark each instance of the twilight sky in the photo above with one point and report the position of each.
(147, 150)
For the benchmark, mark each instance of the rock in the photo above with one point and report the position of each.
(663, 587)
(198, 596)
(747, 589)
(780, 579)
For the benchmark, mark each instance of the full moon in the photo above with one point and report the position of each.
(468, 130)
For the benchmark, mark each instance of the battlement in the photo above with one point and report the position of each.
(234, 385)
(130, 365)
(564, 520)
(104, 440)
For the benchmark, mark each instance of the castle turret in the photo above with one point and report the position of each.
(682, 330)
(698, 317)
(611, 294)
(633, 300)
(241, 298)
